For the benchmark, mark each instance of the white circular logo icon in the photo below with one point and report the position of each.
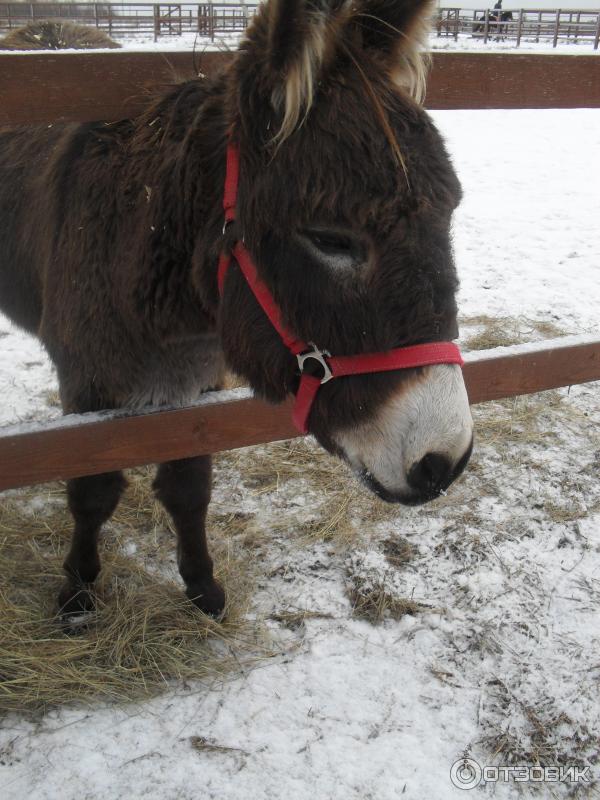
(465, 773)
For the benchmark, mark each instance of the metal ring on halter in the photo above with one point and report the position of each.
(316, 355)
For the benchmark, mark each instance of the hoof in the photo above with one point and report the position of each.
(76, 608)
(208, 597)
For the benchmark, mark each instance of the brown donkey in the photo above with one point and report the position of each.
(110, 237)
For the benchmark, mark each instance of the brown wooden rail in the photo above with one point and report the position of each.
(90, 444)
(51, 87)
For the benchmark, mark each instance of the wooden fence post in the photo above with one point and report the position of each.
(156, 14)
(556, 28)
(486, 26)
(520, 27)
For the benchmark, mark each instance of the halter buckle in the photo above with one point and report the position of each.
(316, 355)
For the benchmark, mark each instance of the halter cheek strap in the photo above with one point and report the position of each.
(418, 355)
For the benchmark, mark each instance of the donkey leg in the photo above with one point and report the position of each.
(92, 500)
(184, 487)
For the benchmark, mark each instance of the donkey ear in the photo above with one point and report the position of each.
(395, 32)
(301, 39)
(387, 24)
(299, 29)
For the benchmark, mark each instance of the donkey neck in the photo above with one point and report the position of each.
(177, 158)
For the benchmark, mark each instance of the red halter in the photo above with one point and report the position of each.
(418, 355)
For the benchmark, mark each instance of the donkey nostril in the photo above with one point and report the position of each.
(431, 474)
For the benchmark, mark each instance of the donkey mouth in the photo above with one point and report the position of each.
(405, 499)
(418, 491)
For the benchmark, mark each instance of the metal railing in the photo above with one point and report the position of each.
(558, 26)
(137, 20)
(228, 20)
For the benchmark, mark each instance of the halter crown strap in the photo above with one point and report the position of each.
(232, 180)
(418, 355)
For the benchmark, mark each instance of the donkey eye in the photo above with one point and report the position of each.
(330, 242)
(335, 248)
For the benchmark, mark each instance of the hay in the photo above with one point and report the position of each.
(145, 633)
(398, 551)
(506, 331)
(56, 35)
(295, 619)
(375, 604)
(328, 484)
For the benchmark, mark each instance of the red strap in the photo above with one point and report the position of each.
(265, 298)
(417, 355)
(232, 177)
(224, 262)
(305, 397)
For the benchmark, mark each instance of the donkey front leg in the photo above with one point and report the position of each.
(92, 501)
(184, 487)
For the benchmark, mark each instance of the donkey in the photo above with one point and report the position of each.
(338, 196)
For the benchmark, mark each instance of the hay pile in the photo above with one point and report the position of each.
(146, 633)
(49, 35)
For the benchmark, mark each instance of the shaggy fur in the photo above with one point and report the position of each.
(110, 236)
(50, 35)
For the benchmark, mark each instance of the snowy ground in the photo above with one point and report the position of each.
(500, 655)
(465, 41)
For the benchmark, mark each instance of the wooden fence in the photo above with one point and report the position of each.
(53, 87)
(138, 20)
(225, 20)
(45, 88)
(88, 444)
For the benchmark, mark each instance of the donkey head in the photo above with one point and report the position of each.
(345, 199)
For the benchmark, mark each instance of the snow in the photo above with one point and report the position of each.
(506, 566)
(190, 40)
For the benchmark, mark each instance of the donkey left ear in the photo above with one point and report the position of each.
(395, 32)
(301, 39)
(390, 25)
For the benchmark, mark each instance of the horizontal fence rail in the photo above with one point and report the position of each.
(44, 88)
(518, 25)
(126, 21)
(89, 444)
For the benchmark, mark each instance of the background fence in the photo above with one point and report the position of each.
(557, 26)
(138, 20)
(228, 20)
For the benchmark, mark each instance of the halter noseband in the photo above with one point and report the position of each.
(418, 355)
